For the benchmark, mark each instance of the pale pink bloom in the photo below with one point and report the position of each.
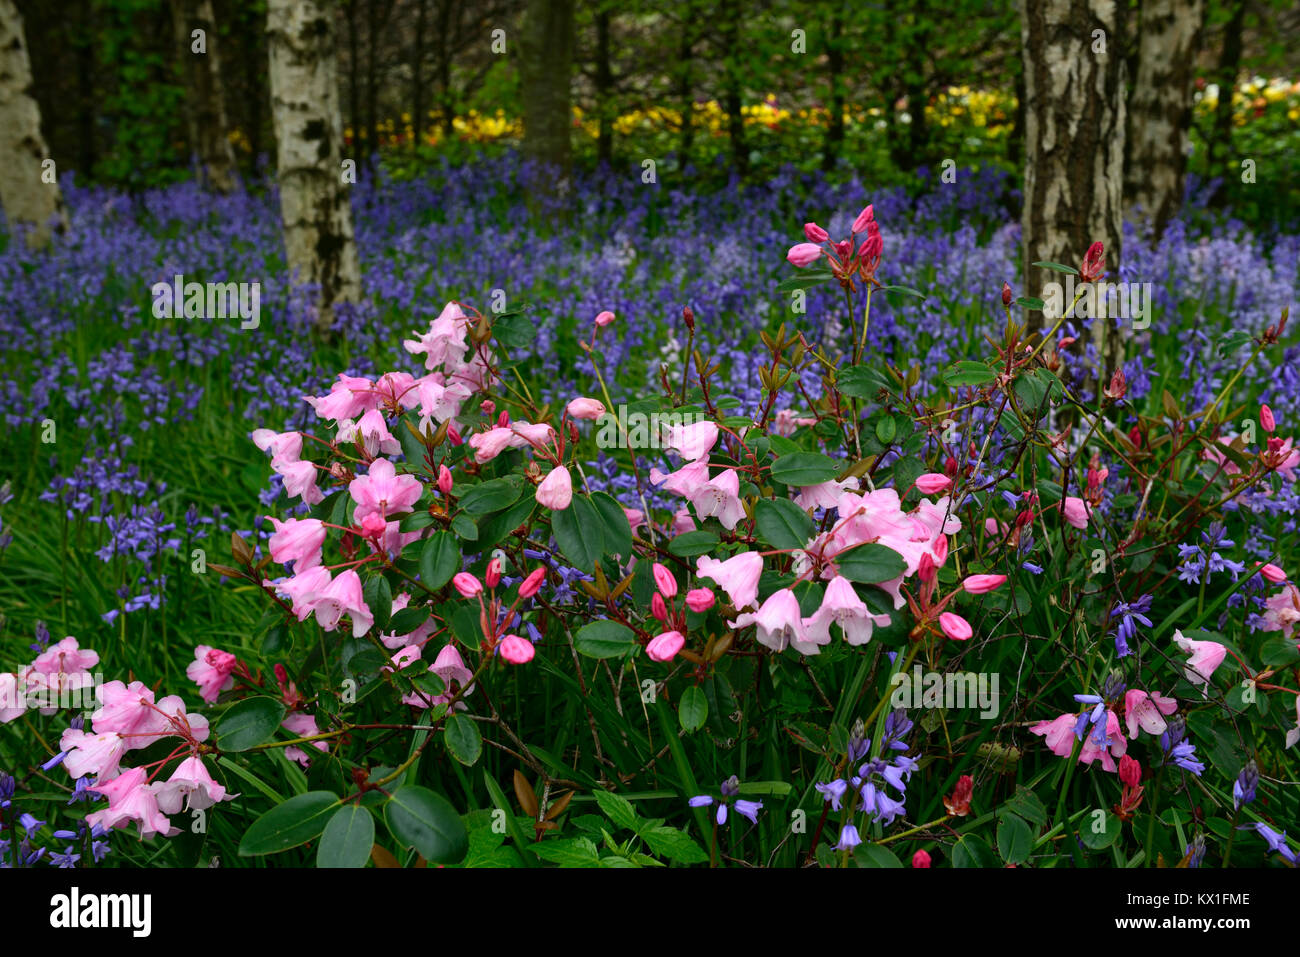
(803, 254)
(131, 798)
(635, 517)
(1146, 710)
(778, 623)
(685, 480)
(700, 599)
(126, 709)
(955, 626)
(297, 540)
(588, 409)
(417, 637)
(694, 442)
(995, 529)
(932, 482)
(300, 481)
(303, 589)
(348, 398)
(176, 721)
(65, 657)
(982, 584)
(1206, 656)
(531, 435)
(824, 494)
(302, 725)
(738, 576)
(1076, 511)
(719, 497)
(1293, 734)
(604, 318)
(12, 702)
(1290, 460)
(444, 343)
(1060, 739)
(374, 526)
(664, 580)
(190, 786)
(814, 233)
(397, 388)
(1057, 734)
(211, 671)
(96, 754)
(682, 522)
(488, 445)
(450, 666)
(1272, 573)
(864, 218)
(383, 491)
(440, 402)
(841, 605)
(516, 650)
(1282, 612)
(664, 647)
(375, 437)
(556, 490)
(466, 585)
(343, 596)
(283, 446)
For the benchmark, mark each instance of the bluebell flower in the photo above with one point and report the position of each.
(849, 838)
(1243, 789)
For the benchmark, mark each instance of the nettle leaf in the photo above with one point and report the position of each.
(439, 560)
(424, 820)
(805, 468)
(463, 739)
(673, 844)
(296, 821)
(605, 639)
(693, 709)
(248, 723)
(870, 564)
(570, 852)
(617, 808)
(782, 524)
(347, 839)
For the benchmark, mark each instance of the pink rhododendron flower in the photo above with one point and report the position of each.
(374, 434)
(131, 798)
(65, 657)
(211, 671)
(700, 599)
(1076, 511)
(383, 491)
(982, 584)
(1059, 736)
(348, 398)
(932, 482)
(720, 498)
(302, 725)
(955, 626)
(1206, 656)
(803, 254)
(842, 606)
(824, 494)
(300, 481)
(297, 540)
(12, 700)
(664, 580)
(737, 576)
(1282, 612)
(95, 754)
(445, 343)
(417, 637)
(284, 446)
(341, 597)
(516, 650)
(1145, 710)
(664, 647)
(127, 709)
(694, 442)
(303, 589)
(779, 623)
(556, 490)
(190, 786)
(588, 409)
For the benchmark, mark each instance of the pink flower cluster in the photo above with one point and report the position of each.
(58, 673)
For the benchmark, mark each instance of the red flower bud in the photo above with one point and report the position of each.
(1006, 294)
(1130, 771)
(533, 583)
(958, 804)
(445, 481)
(493, 574)
(658, 608)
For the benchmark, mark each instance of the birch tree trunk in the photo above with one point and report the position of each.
(209, 132)
(314, 202)
(546, 65)
(1160, 109)
(1075, 87)
(29, 190)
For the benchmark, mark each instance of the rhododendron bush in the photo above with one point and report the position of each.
(997, 614)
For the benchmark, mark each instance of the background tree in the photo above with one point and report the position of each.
(28, 197)
(206, 112)
(314, 202)
(546, 72)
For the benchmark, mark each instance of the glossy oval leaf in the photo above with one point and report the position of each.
(248, 723)
(296, 821)
(347, 838)
(426, 821)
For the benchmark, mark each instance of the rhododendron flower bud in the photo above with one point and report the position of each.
(664, 647)
(815, 233)
(516, 650)
(1094, 263)
(556, 490)
(920, 859)
(803, 254)
(1273, 573)
(454, 436)
(658, 608)
(665, 581)
(445, 481)
(1118, 385)
(1075, 511)
(981, 584)
(492, 577)
(210, 670)
(866, 216)
(932, 482)
(958, 804)
(1024, 517)
(955, 626)
(589, 409)
(872, 246)
(604, 318)
(688, 317)
(941, 549)
(531, 585)
(373, 525)
(1266, 418)
(1006, 294)
(467, 585)
(1130, 771)
(926, 569)
(700, 599)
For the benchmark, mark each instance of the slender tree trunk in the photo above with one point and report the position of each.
(314, 202)
(604, 90)
(1160, 108)
(354, 78)
(209, 133)
(546, 47)
(417, 77)
(1074, 131)
(1220, 140)
(446, 97)
(686, 94)
(835, 69)
(84, 45)
(372, 82)
(29, 191)
(733, 101)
